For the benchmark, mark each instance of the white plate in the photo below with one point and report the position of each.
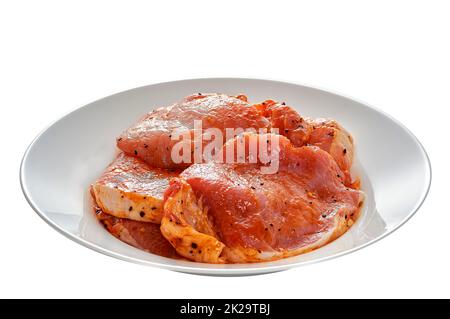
(63, 160)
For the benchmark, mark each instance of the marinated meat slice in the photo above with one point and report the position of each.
(232, 213)
(287, 121)
(145, 236)
(129, 188)
(151, 138)
(324, 133)
(187, 226)
(334, 139)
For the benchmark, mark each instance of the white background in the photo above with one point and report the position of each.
(59, 55)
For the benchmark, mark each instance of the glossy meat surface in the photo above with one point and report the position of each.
(334, 139)
(231, 213)
(145, 236)
(287, 121)
(129, 188)
(151, 138)
(326, 134)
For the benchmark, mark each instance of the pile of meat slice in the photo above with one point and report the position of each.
(216, 212)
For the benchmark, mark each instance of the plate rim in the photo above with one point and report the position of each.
(223, 271)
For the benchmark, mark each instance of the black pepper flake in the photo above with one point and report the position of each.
(145, 197)
(135, 152)
(130, 209)
(262, 184)
(252, 187)
(286, 131)
(346, 216)
(344, 151)
(142, 214)
(271, 225)
(170, 135)
(324, 215)
(310, 203)
(283, 103)
(279, 229)
(121, 196)
(266, 229)
(145, 146)
(194, 245)
(339, 176)
(191, 251)
(200, 251)
(199, 94)
(153, 208)
(119, 139)
(167, 148)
